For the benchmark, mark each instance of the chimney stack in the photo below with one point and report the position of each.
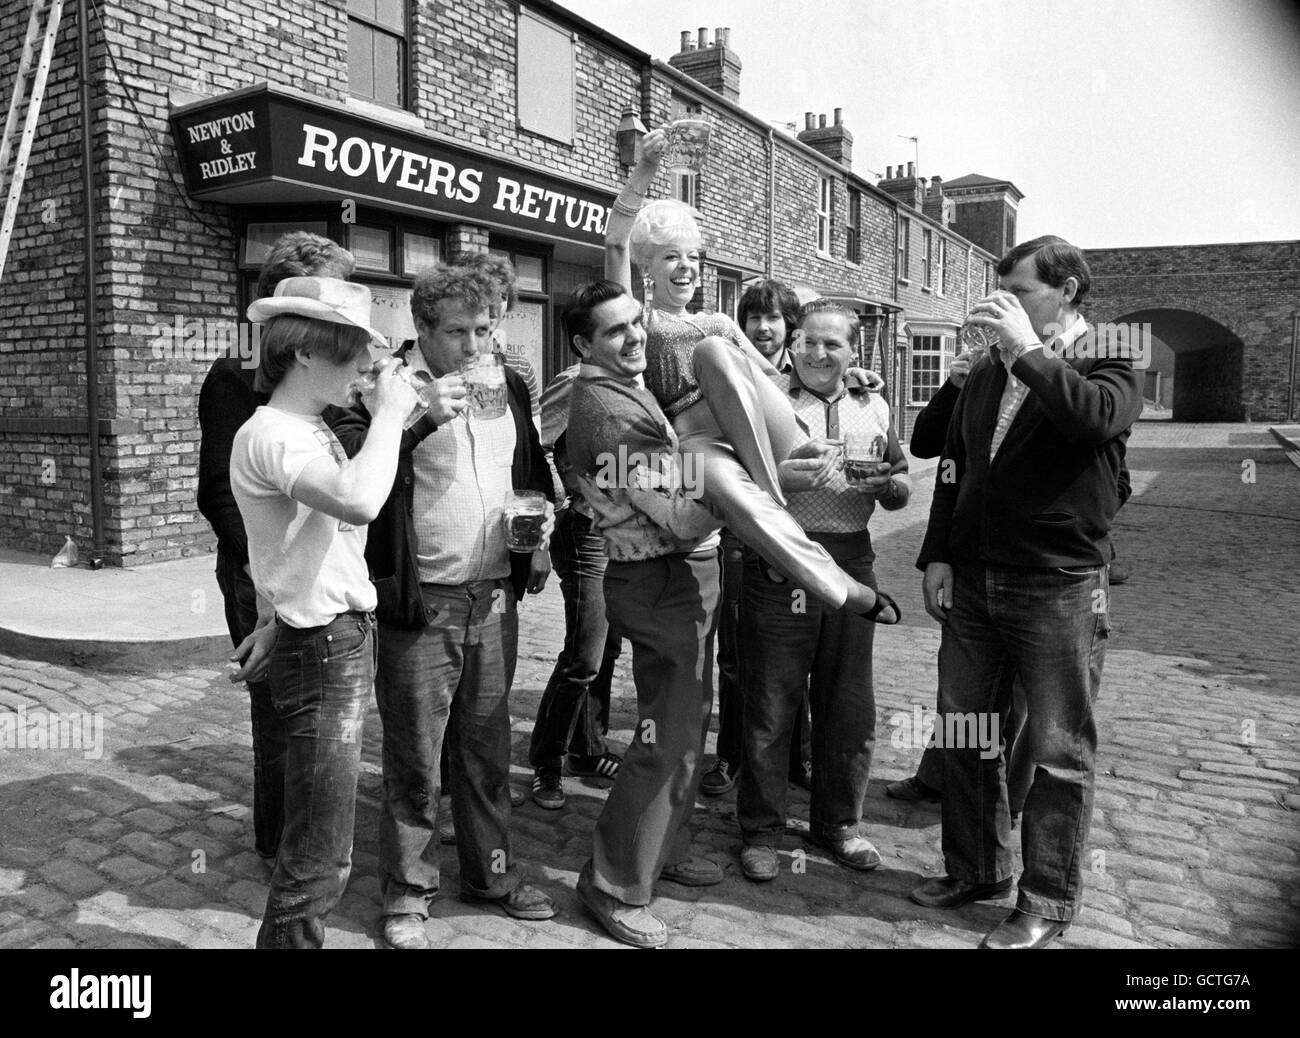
(901, 183)
(933, 203)
(835, 142)
(714, 65)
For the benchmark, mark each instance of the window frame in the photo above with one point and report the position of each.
(941, 265)
(937, 351)
(825, 211)
(853, 227)
(927, 258)
(547, 133)
(903, 232)
(404, 73)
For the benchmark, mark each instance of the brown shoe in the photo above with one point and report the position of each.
(630, 924)
(1021, 930)
(524, 902)
(946, 892)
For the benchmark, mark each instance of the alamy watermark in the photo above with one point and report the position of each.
(49, 730)
(924, 727)
(204, 340)
(664, 471)
(1105, 341)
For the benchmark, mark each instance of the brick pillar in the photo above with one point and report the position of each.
(464, 238)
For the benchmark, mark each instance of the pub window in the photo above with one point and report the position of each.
(852, 229)
(259, 237)
(927, 367)
(371, 247)
(941, 265)
(927, 257)
(418, 252)
(545, 78)
(522, 335)
(824, 194)
(377, 51)
(904, 247)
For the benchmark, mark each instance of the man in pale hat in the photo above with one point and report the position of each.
(305, 509)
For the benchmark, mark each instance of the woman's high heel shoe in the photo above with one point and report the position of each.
(883, 602)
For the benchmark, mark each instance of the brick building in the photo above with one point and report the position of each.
(409, 132)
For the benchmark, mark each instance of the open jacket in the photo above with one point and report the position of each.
(1048, 498)
(391, 545)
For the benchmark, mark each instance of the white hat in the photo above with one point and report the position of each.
(322, 299)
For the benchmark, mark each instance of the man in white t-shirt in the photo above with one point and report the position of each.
(305, 509)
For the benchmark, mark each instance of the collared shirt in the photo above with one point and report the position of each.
(1016, 391)
(837, 507)
(462, 478)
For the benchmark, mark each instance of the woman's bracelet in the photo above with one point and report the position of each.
(629, 202)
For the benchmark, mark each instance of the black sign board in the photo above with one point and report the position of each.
(230, 144)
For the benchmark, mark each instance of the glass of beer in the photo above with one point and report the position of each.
(485, 386)
(864, 456)
(978, 338)
(688, 141)
(524, 515)
(363, 387)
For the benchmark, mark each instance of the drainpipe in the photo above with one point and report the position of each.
(1295, 347)
(92, 353)
(771, 196)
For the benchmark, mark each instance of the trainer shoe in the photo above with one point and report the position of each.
(719, 779)
(605, 766)
(548, 789)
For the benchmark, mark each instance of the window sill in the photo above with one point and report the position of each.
(927, 290)
(386, 113)
(905, 281)
(823, 254)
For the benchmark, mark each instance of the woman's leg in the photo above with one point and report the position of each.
(752, 414)
(765, 526)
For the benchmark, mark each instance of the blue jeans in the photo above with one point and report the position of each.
(1050, 626)
(444, 687)
(270, 745)
(666, 607)
(826, 654)
(574, 712)
(320, 680)
(733, 648)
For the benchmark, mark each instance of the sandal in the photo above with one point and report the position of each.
(883, 602)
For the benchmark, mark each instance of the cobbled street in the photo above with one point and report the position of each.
(1194, 839)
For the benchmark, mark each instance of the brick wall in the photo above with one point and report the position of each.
(1249, 290)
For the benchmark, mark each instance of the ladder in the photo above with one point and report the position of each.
(29, 85)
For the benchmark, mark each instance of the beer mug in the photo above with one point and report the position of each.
(485, 386)
(524, 516)
(863, 456)
(688, 141)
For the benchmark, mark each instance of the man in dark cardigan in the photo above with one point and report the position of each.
(447, 584)
(1015, 570)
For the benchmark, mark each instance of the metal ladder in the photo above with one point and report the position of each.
(29, 85)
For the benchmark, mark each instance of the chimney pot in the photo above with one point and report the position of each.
(719, 37)
(726, 37)
(839, 117)
(911, 169)
(686, 40)
(822, 124)
(810, 121)
(704, 38)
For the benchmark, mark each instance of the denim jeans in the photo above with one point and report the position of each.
(320, 680)
(574, 712)
(733, 649)
(443, 688)
(1051, 626)
(795, 646)
(270, 744)
(1019, 767)
(666, 608)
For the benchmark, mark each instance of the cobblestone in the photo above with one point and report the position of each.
(1195, 808)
